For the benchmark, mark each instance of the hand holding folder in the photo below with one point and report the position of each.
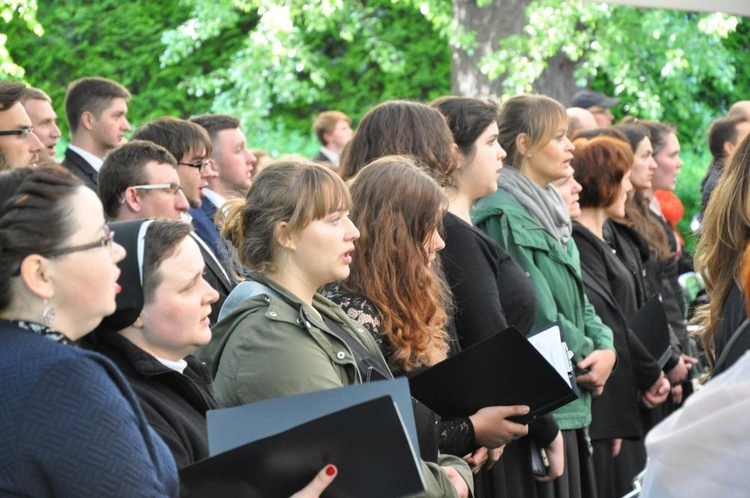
(367, 441)
(504, 370)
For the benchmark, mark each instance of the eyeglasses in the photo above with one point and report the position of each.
(105, 242)
(201, 165)
(173, 188)
(21, 132)
(600, 110)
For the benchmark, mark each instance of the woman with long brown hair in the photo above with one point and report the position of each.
(724, 236)
(396, 289)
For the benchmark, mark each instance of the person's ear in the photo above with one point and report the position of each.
(131, 199)
(283, 237)
(88, 119)
(728, 148)
(522, 144)
(36, 273)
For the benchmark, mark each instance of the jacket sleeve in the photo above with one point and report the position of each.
(262, 362)
(83, 438)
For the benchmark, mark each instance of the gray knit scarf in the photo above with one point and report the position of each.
(544, 204)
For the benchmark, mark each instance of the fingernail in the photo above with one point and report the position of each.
(331, 470)
(526, 409)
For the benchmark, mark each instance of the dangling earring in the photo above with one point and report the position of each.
(49, 312)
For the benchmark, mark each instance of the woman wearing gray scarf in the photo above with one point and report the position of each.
(527, 217)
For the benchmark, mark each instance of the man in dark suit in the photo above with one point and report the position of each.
(19, 146)
(334, 130)
(232, 164)
(96, 110)
(190, 144)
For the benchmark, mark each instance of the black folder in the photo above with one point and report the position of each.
(650, 325)
(503, 370)
(367, 442)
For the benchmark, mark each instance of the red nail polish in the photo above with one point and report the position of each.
(330, 470)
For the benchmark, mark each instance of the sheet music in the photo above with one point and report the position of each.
(549, 345)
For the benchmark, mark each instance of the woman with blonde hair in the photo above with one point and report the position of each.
(528, 218)
(294, 233)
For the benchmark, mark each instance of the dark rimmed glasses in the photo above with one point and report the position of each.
(104, 242)
(201, 165)
(21, 132)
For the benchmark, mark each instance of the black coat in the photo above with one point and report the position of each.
(81, 168)
(175, 404)
(634, 252)
(615, 412)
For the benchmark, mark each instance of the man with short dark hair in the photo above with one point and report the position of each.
(19, 147)
(597, 104)
(232, 164)
(43, 117)
(139, 180)
(334, 130)
(190, 144)
(724, 135)
(96, 109)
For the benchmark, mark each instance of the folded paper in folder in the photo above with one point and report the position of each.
(506, 369)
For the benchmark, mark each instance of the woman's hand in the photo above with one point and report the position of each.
(318, 484)
(657, 394)
(462, 489)
(600, 364)
(616, 446)
(484, 458)
(679, 372)
(492, 427)
(556, 457)
(677, 394)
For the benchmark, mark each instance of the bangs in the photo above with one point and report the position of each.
(319, 192)
(551, 117)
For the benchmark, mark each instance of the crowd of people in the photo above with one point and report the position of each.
(147, 280)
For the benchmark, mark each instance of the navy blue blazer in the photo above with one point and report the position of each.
(203, 223)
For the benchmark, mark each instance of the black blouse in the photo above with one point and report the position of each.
(491, 291)
(455, 436)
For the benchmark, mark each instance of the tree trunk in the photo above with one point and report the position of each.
(491, 24)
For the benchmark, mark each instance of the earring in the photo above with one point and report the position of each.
(49, 313)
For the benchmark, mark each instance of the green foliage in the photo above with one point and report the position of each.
(659, 62)
(117, 40)
(26, 11)
(302, 58)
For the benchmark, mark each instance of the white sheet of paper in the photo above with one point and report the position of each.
(549, 345)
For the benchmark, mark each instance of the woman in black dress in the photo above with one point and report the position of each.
(491, 291)
(603, 167)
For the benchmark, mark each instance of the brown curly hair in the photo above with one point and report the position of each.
(397, 207)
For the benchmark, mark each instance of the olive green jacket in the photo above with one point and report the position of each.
(555, 271)
(266, 348)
